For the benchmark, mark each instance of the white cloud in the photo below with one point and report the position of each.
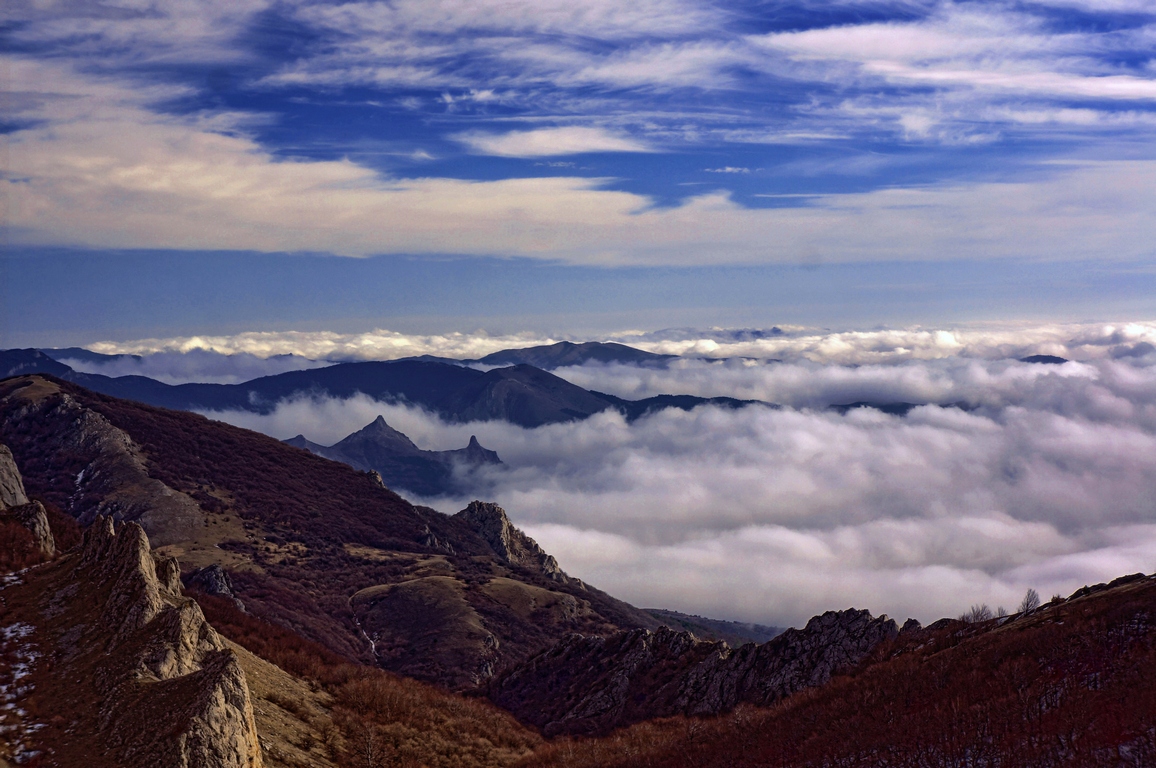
(195, 364)
(101, 169)
(774, 516)
(546, 142)
(326, 345)
(792, 344)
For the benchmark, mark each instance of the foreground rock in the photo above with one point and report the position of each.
(148, 682)
(15, 506)
(591, 685)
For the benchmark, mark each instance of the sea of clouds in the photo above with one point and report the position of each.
(786, 343)
(1045, 478)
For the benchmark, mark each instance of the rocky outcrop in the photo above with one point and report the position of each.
(214, 580)
(591, 685)
(510, 544)
(15, 506)
(172, 693)
(33, 517)
(11, 484)
(153, 681)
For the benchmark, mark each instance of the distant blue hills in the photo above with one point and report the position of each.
(520, 393)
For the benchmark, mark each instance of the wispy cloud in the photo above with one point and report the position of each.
(99, 167)
(546, 142)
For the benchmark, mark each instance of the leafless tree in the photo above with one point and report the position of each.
(1030, 602)
(977, 614)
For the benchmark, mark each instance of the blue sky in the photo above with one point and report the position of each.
(184, 167)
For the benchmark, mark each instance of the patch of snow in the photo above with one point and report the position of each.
(14, 724)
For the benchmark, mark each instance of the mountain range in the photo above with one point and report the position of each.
(203, 595)
(520, 394)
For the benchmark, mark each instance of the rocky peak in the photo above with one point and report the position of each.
(474, 454)
(490, 522)
(379, 435)
(160, 661)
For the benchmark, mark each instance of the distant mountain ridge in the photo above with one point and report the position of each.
(733, 633)
(567, 353)
(380, 448)
(520, 394)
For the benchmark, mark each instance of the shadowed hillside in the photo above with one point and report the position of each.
(308, 543)
(1072, 683)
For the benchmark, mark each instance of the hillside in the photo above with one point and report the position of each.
(308, 543)
(154, 678)
(1072, 683)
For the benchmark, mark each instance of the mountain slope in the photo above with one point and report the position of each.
(1072, 683)
(106, 662)
(300, 536)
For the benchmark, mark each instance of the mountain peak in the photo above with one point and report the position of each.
(510, 544)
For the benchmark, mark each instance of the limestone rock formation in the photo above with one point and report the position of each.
(33, 517)
(214, 580)
(510, 544)
(591, 685)
(11, 484)
(14, 505)
(153, 683)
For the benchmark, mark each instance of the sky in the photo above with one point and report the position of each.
(177, 168)
(914, 193)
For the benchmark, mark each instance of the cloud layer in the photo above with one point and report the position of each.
(112, 156)
(794, 344)
(775, 515)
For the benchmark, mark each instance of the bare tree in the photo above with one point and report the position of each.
(977, 614)
(1000, 612)
(1030, 602)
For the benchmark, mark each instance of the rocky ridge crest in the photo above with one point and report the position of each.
(509, 543)
(108, 471)
(116, 631)
(591, 685)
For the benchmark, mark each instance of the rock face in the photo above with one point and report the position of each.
(510, 544)
(11, 484)
(214, 580)
(14, 505)
(591, 685)
(164, 688)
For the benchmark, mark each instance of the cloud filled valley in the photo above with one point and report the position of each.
(1044, 478)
